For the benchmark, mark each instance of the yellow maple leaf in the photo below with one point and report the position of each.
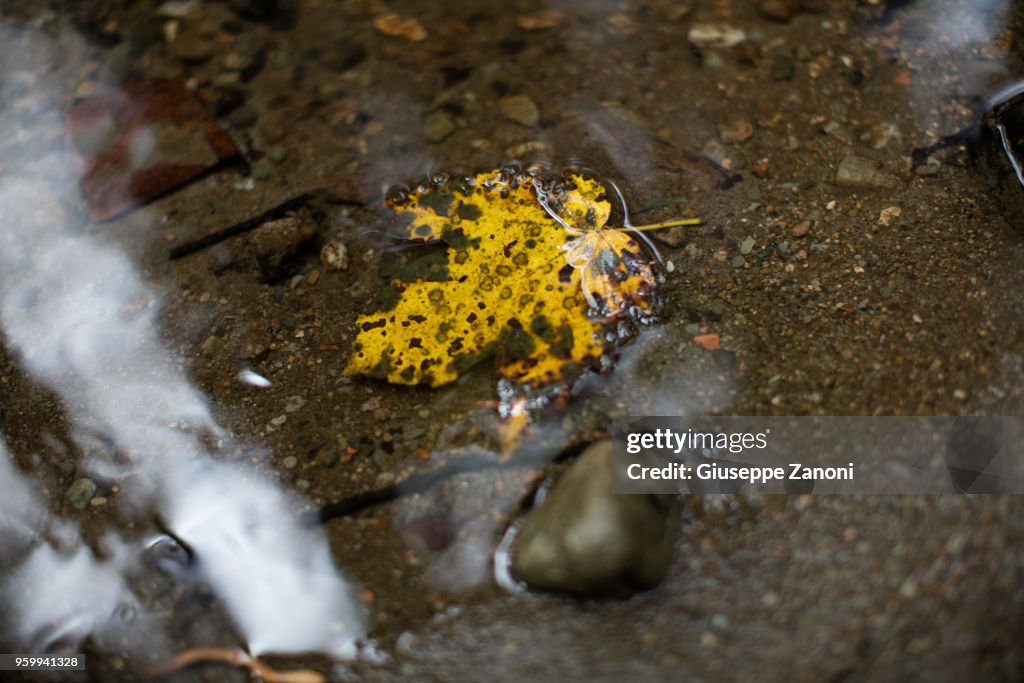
(532, 275)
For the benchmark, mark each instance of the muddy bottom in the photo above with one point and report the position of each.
(841, 275)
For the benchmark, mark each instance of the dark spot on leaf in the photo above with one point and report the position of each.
(541, 327)
(468, 212)
(515, 343)
(563, 346)
(439, 201)
(382, 369)
(456, 237)
(565, 274)
(416, 343)
(387, 298)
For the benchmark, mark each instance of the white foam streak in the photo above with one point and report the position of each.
(83, 322)
(236, 523)
(77, 595)
(22, 514)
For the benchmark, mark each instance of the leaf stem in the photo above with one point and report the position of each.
(668, 224)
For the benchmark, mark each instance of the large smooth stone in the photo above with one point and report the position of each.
(584, 539)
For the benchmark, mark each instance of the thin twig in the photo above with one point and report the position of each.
(245, 226)
(237, 658)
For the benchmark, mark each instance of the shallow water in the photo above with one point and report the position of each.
(202, 397)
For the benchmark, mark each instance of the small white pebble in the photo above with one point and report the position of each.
(334, 256)
(254, 379)
(917, 319)
(670, 267)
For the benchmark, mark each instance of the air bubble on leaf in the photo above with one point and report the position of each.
(398, 195)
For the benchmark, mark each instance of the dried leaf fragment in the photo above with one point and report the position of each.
(540, 20)
(392, 24)
(710, 341)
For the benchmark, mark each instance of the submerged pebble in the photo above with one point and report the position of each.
(437, 126)
(196, 43)
(930, 167)
(715, 35)
(735, 131)
(889, 215)
(858, 172)
(521, 109)
(586, 540)
(783, 68)
(334, 256)
(715, 151)
(780, 10)
(80, 493)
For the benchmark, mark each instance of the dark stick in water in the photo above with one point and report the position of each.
(420, 483)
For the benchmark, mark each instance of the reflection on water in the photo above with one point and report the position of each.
(77, 312)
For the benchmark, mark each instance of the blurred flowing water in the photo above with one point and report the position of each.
(74, 308)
